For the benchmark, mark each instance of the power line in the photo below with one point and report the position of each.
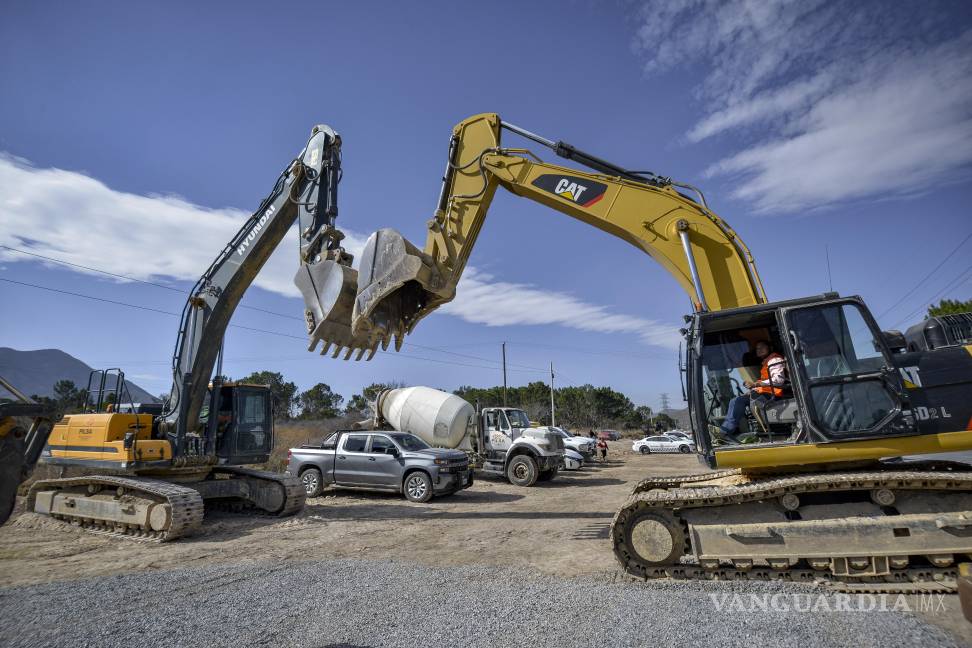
(957, 281)
(599, 352)
(926, 277)
(135, 279)
(240, 326)
(101, 299)
(262, 310)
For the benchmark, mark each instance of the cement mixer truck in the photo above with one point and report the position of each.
(499, 440)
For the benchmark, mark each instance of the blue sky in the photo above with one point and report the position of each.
(136, 137)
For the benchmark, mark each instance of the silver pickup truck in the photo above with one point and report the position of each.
(388, 461)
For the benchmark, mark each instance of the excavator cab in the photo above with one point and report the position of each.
(244, 424)
(841, 381)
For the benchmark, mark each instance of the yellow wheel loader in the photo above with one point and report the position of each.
(816, 492)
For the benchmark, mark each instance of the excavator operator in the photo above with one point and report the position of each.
(772, 378)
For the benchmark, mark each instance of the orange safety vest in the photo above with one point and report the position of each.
(764, 374)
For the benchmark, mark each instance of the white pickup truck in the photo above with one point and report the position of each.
(379, 460)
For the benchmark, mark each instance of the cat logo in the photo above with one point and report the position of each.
(579, 191)
(569, 190)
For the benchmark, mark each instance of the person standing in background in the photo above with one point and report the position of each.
(603, 447)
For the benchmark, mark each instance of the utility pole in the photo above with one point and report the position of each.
(553, 419)
(504, 374)
(664, 403)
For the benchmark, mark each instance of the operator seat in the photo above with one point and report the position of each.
(776, 410)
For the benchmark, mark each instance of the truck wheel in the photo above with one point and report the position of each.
(312, 481)
(522, 471)
(645, 450)
(548, 475)
(418, 487)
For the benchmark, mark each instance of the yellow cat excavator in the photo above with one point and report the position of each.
(808, 488)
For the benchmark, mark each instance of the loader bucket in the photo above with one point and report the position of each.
(329, 290)
(398, 284)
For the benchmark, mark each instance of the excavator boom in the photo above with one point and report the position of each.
(398, 283)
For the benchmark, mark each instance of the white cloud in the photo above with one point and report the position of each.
(75, 218)
(482, 300)
(852, 100)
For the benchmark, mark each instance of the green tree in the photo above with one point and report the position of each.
(640, 417)
(664, 422)
(45, 400)
(319, 402)
(950, 307)
(283, 393)
(68, 397)
(361, 403)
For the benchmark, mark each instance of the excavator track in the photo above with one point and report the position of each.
(293, 490)
(180, 508)
(682, 523)
(153, 510)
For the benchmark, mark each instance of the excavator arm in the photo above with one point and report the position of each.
(398, 284)
(305, 192)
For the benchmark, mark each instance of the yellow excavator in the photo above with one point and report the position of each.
(24, 427)
(809, 487)
(154, 469)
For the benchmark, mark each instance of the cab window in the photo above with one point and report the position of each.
(842, 360)
(356, 443)
(253, 409)
(836, 341)
(381, 445)
(518, 418)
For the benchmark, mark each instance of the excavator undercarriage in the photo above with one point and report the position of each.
(895, 527)
(163, 508)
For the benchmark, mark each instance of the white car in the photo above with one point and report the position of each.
(661, 443)
(572, 460)
(679, 435)
(579, 444)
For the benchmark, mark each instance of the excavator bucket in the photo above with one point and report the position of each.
(398, 284)
(329, 290)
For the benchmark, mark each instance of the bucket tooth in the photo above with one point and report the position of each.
(329, 289)
(397, 285)
(399, 341)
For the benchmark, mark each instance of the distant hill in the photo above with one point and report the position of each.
(35, 372)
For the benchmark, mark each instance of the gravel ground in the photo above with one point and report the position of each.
(386, 603)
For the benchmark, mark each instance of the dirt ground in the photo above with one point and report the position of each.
(560, 527)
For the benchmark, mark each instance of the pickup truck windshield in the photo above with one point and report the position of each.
(409, 442)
